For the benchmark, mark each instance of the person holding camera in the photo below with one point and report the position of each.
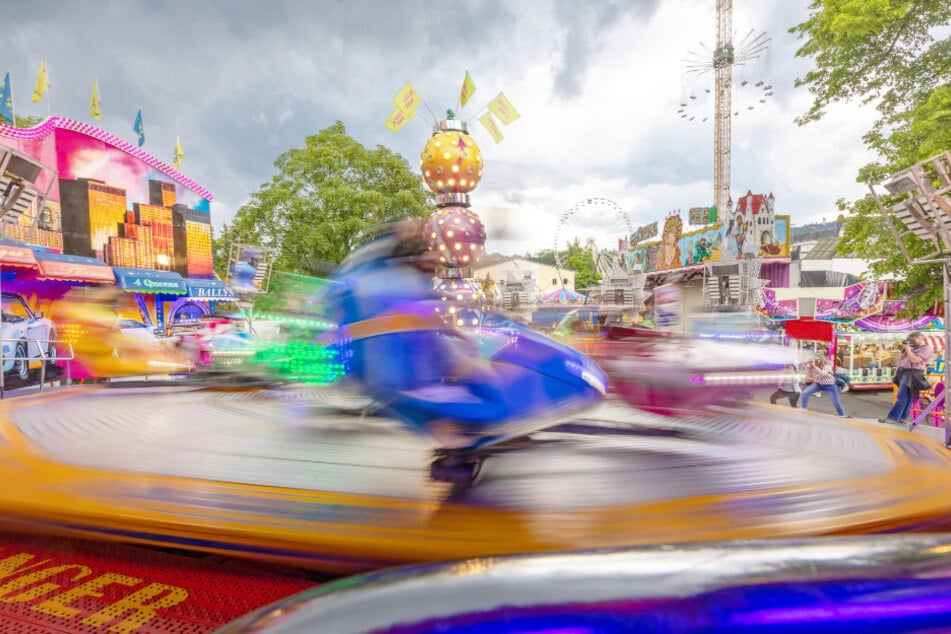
(910, 377)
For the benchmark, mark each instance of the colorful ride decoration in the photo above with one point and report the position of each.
(860, 300)
(451, 166)
(457, 234)
(565, 295)
(451, 162)
(889, 321)
(462, 302)
(766, 304)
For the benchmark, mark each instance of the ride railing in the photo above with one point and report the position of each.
(62, 351)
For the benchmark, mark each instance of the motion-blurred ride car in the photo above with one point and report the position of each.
(215, 341)
(28, 337)
(136, 329)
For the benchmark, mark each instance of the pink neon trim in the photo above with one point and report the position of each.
(46, 128)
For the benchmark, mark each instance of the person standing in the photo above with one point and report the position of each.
(788, 388)
(823, 379)
(915, 357)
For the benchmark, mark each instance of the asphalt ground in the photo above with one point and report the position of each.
(865, 404)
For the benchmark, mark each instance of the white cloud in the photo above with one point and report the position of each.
(597, 84)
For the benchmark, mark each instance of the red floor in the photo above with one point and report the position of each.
(52, 584)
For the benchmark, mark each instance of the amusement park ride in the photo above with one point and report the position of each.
(732, 282)
(924, 212)
(645, 497)
(722, 62)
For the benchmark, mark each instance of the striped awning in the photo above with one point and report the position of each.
(936, 341)
(16, 253)
(72, 268)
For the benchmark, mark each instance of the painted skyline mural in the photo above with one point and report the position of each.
(113, 201)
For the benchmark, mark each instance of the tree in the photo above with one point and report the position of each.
(323, 201)
(866, 235)
(580, 259)
(27, 122)
(887, 52)
(875, 50)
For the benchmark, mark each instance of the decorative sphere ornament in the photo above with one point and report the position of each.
(457, 235)
(462, 303)
(451, 163)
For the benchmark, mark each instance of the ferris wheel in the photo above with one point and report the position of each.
(597, 222)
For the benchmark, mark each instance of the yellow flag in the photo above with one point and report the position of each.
(489, 123)
(503, 109)
(468, 88)
(179, 153)
(395, 122)
(408, 99)
(95, 106)
(42, 82)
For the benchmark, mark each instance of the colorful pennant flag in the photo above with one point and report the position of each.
(95, 106)
(399, 118)
(42, 82)
(6, 101)
(138, 128)
(488, 122)
(179, 153)
(468, 88)
(503, 109)
(408, 98)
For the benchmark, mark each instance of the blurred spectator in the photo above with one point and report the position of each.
(788, 388)
(823, 379)
(910, 377)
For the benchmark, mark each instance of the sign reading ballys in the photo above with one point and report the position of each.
(217, 292)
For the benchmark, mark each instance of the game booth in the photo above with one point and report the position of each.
(869, 348)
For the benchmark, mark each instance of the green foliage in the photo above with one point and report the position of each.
(897, 55)
(288, 293)
(874, 50)
(581, 261)
(323, 201)
(545, 256)
(27, 122)
(866, 235)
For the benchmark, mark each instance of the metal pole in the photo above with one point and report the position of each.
(946, 271)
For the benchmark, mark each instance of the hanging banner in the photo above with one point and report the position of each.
(766, 304)
(752, 230)
(860, 300)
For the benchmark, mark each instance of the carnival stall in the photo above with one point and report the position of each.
(871, 358)
(869, 348)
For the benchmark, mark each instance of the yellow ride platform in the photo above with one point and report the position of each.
(283, 475)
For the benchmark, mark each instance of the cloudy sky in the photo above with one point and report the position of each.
(597, 83)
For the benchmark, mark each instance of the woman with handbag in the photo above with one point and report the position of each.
(910, 377)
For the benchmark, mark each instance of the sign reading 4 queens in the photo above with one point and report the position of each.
(751, 229)
(150, 284)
